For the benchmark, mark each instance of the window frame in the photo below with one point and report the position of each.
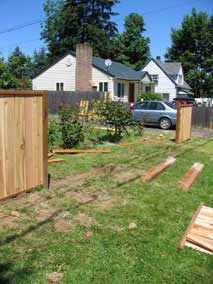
(59, 86)
(155, 78)
(103, 86)
(120, 90)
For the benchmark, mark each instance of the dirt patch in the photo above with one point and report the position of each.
(103, 170)
(82, 197)
(106, 202)
(55, 277)
(117, 228)
(63, 225)
(124, 175)
(84, 220)
(8, 221)
(43, 214)
(32, 197)
(76, 179)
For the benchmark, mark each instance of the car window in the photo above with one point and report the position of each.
(142, 105)
(171, 105)
(156, 106)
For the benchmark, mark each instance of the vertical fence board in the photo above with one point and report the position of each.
(184, 123)
(23, 149)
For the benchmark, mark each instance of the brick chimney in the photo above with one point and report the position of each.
(83, 67)
(158, 57)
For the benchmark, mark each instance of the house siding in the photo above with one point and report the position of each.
(59, 72)
(165, 85)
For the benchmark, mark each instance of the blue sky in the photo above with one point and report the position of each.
(159, 16)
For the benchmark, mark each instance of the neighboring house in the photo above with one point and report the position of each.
(81, 71)
(168, 78)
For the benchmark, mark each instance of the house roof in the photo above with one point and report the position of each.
(116, 70)
(171, 69)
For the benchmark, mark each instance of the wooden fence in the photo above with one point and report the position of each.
(184, 123)
(202, 117)
(23, 141)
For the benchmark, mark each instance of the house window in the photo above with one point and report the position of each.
(155, 79)
(165, 97)
(120, 90)
(103, 87)
(148, 89)
(59, 86)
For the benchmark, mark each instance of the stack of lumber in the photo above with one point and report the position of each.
(50, 160)
(199, 234)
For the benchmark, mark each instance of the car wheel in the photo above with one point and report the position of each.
(165, 123)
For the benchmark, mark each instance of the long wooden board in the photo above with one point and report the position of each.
(155, 171)
(55, 161)
(190, 177)
(80, 151)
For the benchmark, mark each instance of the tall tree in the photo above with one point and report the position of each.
(14, 72)
(69, 22)
(192, 44)
(39, 62)
(132, 47)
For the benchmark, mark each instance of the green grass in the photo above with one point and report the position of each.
(147, 254)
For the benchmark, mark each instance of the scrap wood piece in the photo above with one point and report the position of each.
(50, 155)
(190, 177)
(55, 161)
(155, 171)
(80, 151)
(199, 234)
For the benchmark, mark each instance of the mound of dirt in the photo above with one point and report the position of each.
(82, 197)
(63, 225)
(84, 220)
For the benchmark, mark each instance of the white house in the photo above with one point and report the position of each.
(81, 71)
(168, 78)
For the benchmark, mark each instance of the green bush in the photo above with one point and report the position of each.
(149, 97)
(71, 129)
(118, 117)
(54, 134)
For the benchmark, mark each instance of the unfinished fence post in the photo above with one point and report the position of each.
(45, 139)
(184, 123)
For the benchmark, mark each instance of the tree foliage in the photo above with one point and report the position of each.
(192, 45)
(132, 48)
(69, 22)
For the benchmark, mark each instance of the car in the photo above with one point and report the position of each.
(159, 113)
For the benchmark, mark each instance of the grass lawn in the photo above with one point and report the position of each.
(103, 194)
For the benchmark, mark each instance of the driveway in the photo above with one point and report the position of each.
(196, 133)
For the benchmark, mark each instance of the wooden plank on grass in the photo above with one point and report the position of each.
(190, 177)
(80, 151)
(50, 155)
(155, 171)
(183, 240)
(55, 161)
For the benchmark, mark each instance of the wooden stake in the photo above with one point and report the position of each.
(155, 171)
(189, 178)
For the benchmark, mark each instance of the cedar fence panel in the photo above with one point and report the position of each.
(184, 123)
(23, 141)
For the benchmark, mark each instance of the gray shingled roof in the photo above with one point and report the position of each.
(171, 68)
(118, 70)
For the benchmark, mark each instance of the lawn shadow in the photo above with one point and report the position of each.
(9, 276)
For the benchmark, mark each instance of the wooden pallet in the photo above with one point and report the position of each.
(80, 151)
(199, 234)
(190, 177)
(155, 171)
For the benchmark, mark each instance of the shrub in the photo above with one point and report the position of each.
(149, 96)
(54, 134)
(72, 129)
(118, 117)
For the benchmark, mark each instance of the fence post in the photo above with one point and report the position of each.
(45, 139)
(184, 123)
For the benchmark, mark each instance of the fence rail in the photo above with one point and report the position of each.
(202, 117)
(23, 141)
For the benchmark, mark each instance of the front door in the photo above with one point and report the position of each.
(131, 92)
